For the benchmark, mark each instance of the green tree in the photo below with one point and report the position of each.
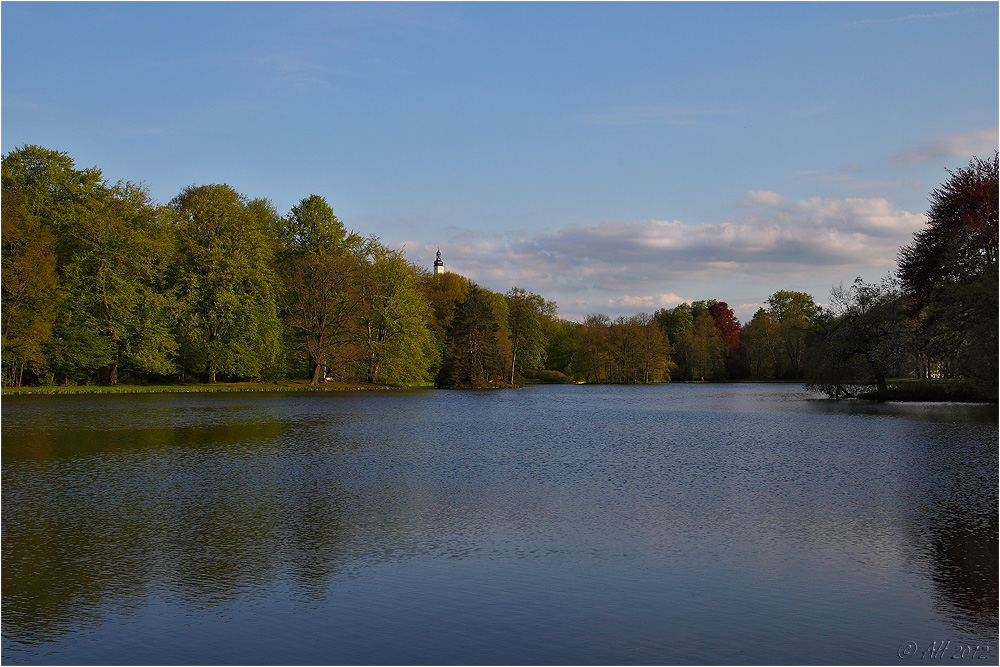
(676, 322)
(29, 289)
(702, 351)
(654, 351)
(593, 361)
(867, 340)
(475, 342)
(794, 313)
(44, 199)
(637, 350)
(116, 281)
(52, 191)
(395, 343)
(320, 273)
(443, 292)
(561, 349)
(527, 313)
(763, 346)
(226, 281)
(311, 227)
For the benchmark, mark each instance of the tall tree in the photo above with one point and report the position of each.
(794, 313)
(44, 199)
(676, 322)
(949, 272)
(702, 351)
(638, 350)
(475, 343)
(729, 329)
(527, 313)
(762, 344)
(654, 351)
(593, 359)
(867, 340)
(52, 191)
(311, 227)
(443, 292)
(561, 346)
(320, 272)
(29, 289)
(392, 314)
(227, 281)
(116, 279)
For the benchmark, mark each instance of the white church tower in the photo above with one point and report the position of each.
(438, 264)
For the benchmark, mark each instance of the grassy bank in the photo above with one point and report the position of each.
(227, 387)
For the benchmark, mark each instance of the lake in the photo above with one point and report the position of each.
(665, 524)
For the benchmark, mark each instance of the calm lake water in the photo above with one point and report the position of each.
(669, 524)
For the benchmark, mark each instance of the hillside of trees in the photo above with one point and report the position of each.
(102, 285)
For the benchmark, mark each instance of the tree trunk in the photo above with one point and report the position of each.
(513, 361)
(113, 373)
(211, 372)
(314, 367)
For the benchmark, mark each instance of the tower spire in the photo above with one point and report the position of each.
(438, 264)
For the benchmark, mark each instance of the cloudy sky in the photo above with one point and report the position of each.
(614, 157)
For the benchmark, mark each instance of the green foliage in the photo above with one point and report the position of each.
(98, 281)
(526, 317)
(552, 377)
(628, 350)
(866, 339)
(396, 345)
(52, 191)
(677, 322)
(476, 342)
(443, 292)
(763, 347)
(561, 349)
(794, 314)
(117, 280)
(72, 245)
(29, 289)
(312, 227)
(704, 339)
(226, 282)
(320, 275)
(593, 360)
(701, 353)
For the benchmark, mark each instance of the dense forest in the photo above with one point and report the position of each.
(102, 285)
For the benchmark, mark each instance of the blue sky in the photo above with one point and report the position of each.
(614, 157)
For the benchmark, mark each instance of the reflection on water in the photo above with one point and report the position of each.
(731, 524)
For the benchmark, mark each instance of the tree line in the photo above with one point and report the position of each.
(103, 285)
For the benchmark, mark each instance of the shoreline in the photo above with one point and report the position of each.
(220, 387)
(911, 391)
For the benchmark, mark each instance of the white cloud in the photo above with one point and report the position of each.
(645, 303)
(781, 243)
(961, 147)
(755, 198)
